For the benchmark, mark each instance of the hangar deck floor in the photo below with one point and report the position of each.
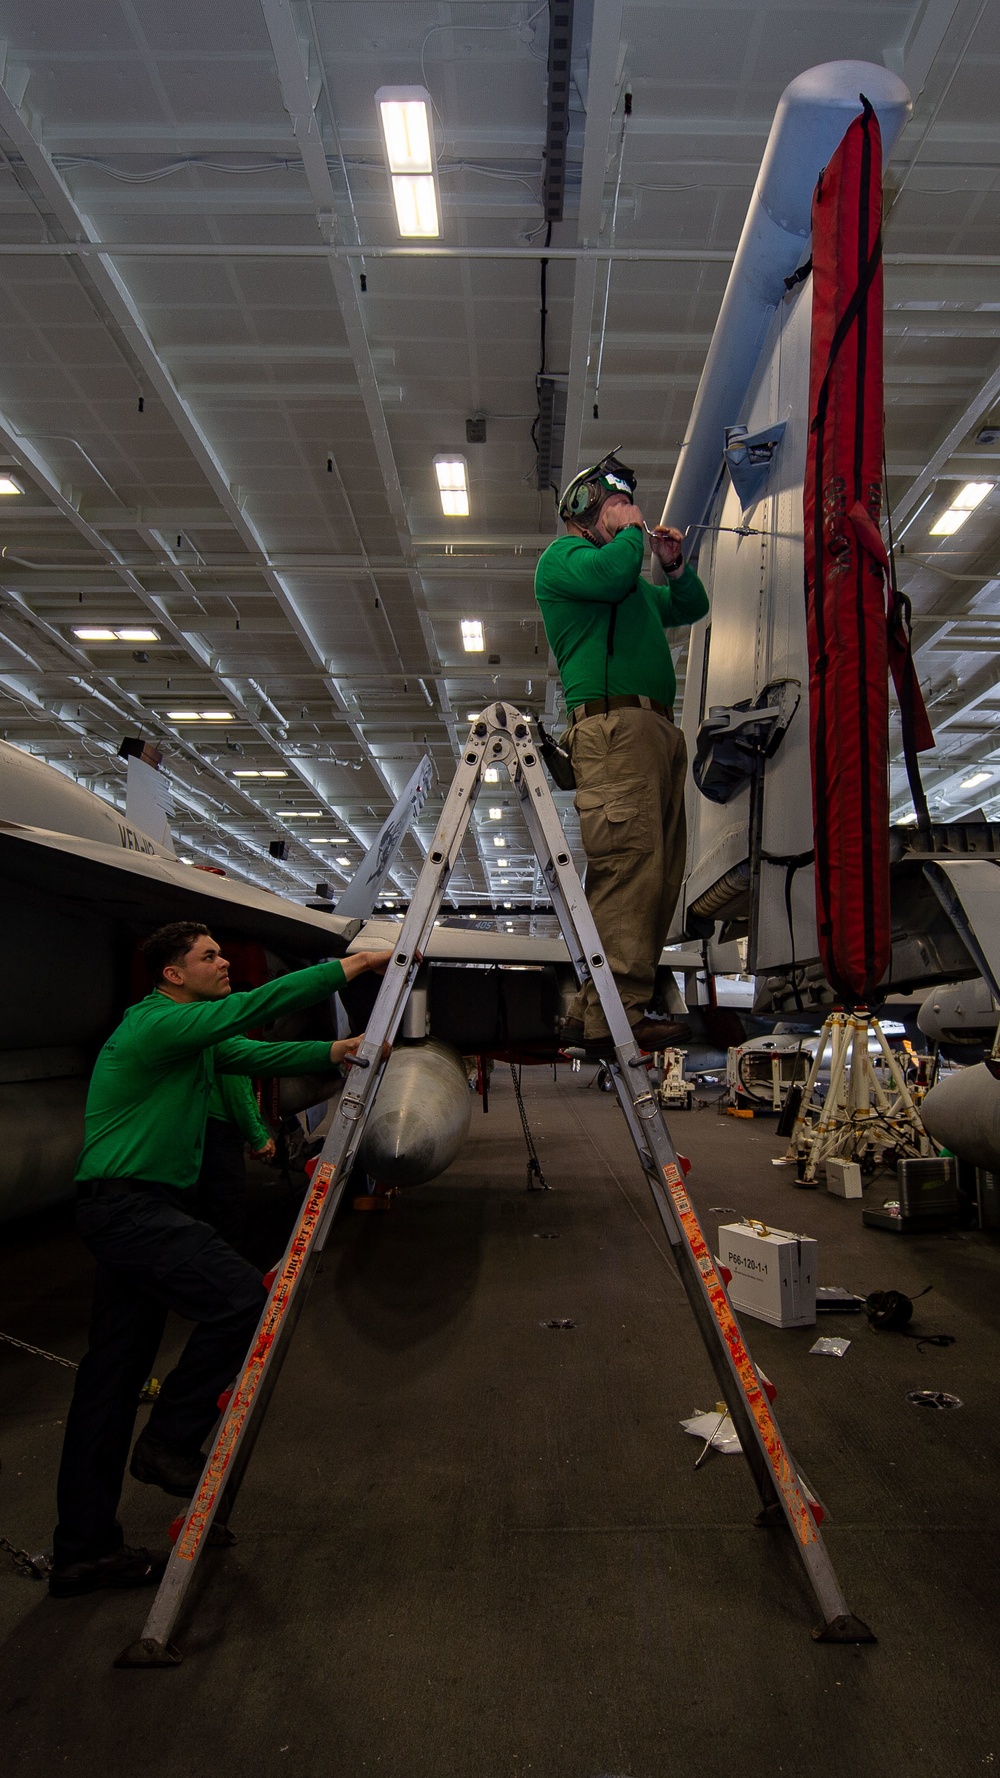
(474, 1547)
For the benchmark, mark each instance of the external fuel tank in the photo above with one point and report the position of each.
(963, 1113)
(421, 1116)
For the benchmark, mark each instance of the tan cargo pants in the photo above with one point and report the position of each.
(630, 767)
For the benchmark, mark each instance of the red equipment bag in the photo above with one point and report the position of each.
(851, 638)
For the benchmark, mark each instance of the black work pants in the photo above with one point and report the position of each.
(222, 1182)
(152, 1256)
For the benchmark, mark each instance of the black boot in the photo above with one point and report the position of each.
(126, 1568)
(176, 1472)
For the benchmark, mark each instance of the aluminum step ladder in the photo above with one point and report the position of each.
(501, 736)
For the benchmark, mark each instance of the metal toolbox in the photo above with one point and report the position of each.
(928, 1190)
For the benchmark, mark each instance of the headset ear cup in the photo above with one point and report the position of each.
(583, 499)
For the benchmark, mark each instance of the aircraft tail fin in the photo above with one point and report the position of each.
(148, 801)
(364, 888)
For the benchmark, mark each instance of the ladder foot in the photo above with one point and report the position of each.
(147, 1652)
(844, 1629)
(807, 1185)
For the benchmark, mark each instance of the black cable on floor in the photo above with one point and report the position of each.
(536, 1178)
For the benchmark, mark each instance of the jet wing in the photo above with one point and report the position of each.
(146, 891)
(449, 945)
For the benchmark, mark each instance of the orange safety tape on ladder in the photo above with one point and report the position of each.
(803, 1523)
(212, 1480)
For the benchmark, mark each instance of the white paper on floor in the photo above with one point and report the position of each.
(717, 1429)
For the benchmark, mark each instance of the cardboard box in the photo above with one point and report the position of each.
(843, 1178)
(774, 1273)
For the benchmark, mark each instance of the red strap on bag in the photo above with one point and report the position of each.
(897, 623)
(851, 638)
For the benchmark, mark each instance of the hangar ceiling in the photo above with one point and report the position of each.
(224, 379)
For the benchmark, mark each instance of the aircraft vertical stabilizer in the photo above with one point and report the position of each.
(148, 800)
(364, 888)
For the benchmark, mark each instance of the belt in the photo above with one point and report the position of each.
(117, 1188)
(600, 707)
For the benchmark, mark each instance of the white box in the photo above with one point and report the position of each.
(843, 1178)
(774, 1273)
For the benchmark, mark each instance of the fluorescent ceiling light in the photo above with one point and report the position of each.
(416, 207)
(508, 904)
(496, 814)
(964, 502)
(343, 861)
(499, 841)
(274, 774)
(199, 716)
(453, 486)
(971, 495)
(100, 633)
(472, 635)
(976, 778)
(304, 814)
(407, 135)
(246, 774)
(491, 774)
(9, 486)
(907, 820)
(408, 139)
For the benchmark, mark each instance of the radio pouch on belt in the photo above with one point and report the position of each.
(558, 763)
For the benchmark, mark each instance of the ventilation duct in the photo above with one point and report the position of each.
(557, 118)
(550, 429)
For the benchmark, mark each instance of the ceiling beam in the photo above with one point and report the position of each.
(96, 249)
(292, 63)
(602, 86)
(974, 409)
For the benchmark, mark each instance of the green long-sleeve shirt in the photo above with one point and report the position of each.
(233, 1101)
(150, 1089)
(577, 585)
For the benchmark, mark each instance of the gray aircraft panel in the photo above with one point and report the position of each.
(149, 889)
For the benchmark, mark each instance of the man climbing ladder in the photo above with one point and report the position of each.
(501, 736)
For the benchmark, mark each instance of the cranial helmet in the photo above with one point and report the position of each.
(582, 500)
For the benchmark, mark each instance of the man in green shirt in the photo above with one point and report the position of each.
(605, 625)
(144, 1134)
